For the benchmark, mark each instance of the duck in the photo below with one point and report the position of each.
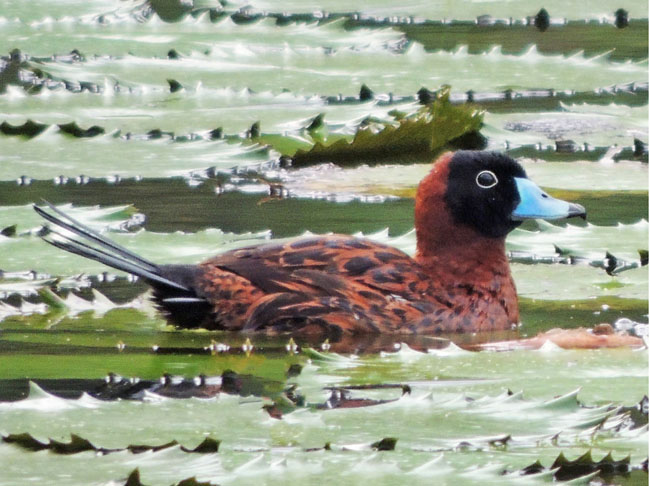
(331, 286)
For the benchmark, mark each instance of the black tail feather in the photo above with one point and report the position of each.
(84, 231)
(174, 285)
(105, 251)
(81, 249)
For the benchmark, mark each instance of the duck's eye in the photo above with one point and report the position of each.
(486, 179)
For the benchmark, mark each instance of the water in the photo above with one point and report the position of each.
(157, 181)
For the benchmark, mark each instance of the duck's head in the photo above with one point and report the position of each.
(484, 194)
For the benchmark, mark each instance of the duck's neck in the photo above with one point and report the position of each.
(466, 259)
(449, 249)
(457, 256)
(474, 273)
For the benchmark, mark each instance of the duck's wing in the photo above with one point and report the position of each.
(333, 283)
(324, 266)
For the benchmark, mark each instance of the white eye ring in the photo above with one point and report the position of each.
(494, 182)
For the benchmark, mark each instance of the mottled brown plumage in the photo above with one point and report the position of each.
(337, 284)
(459, 280)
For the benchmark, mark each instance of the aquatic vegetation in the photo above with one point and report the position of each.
(183, 129)
(437, 127)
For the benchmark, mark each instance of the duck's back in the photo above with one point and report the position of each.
(329, 285)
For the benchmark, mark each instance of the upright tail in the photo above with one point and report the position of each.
(175, 290)
(94, 246)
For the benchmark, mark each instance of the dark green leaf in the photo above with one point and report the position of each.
(73, 129)
(385, 444)
(208, 446)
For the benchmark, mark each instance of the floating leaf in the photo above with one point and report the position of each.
(174, 86)
(500, 442)
(542, 20)
(140, 448)
(581, 468)
(534, 468)
(78, 444)
(284, 68)
(134, 478)
(208, 446)
(385, 444)
(26, 441)
(365, 93)
(341, 398)
(194, 482)
(591, 37)
(29, 129)
(637, 414)
(9, 231)
(622, 20)
(585, 465)
(416, 138)
(73, 129)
